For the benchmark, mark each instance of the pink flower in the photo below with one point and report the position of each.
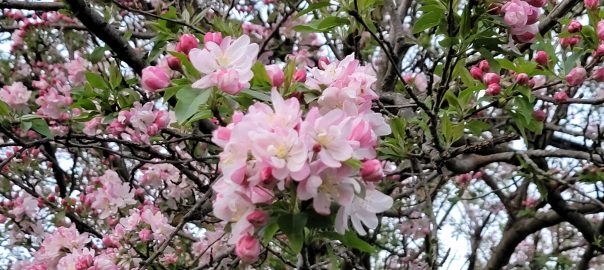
(174, 63)
(591, 4)
(258, 218)
(576, 76)
(600, 30)
(145, 235)
(515, 13)
(484, 66)
(541, 58)
(113, 195)
(186, 43)
(362, 211)
(154, 78)
(325, 134)
(77, 70)
(476, 73)
(326, 185)
(372, 171)
(574, 26)
(537, 3)
(92, 127)
(560, 97)
(226, 65)
(248, 248)
(539, 115)
(215, 37)
(275, 74)
(598, 74)
(570, 41)
(300, 75)
(493, 89)
(15, 95)
(522, 79)
(491, 78)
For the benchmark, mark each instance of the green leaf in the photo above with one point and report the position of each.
(427, 21)
(269, 232)
(255, 94)
(324, 25)
(4, 108)
(293, 226)
(190, 70)
(354, 163)
(96, 81)
(189, 101)
(477, 127)
(40, 126)
(97, 54)
(311, 7)
(115, 76)
(261, 80)
(350, 239)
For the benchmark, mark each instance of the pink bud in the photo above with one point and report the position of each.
(522, 79)
(574, 26)
(476, 73)
(599, 51)
(258, 218)
(372, 171)
(186, 43)
(539, 115)
(248, 248)
(174, 63)
(541, 58)
(300, 75)
(2, 218)
(493, 89)
(266, 175)
(576, 76)
(40, 202)
(591, 4)
(215, 37)
(598, 74)
(484, 65)
(276, 75)
(145, 235)
(52, 198)
(323, 62)
(560, 97)
(107, 242)
(228, 81)
(491, 78)
(154, 78)
(569, 41)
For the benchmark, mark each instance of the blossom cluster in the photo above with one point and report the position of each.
(522, 17)
(269, 149)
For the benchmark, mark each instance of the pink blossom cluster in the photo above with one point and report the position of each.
(109, 194)
(138, 124)
(522, 17)
(15, 95)
(272, 148)
(25, 24)
(224, 63)
(54, 102)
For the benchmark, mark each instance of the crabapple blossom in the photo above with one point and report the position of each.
(576, 76)
(541, 58)
(248, 248)
(15, 95)
(186, 43)
(154, 78)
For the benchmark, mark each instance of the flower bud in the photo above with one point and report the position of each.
(372, 171)
(598, 74)
(541, 58)
(537, 3)
(484, 66)
(591, 4)
(154, 78)
(569, 41)
(323, 62)
(174, 63)
(491, 78)
(276, 75)
(300, 75)
(228, 81)
(576, 76)
(248, 248)
(522, 78)
(560, 97)
(145, 235)
(493, 89)
(574, 26)
(215, 37)
(539, 115)
(258, 218)
(186, 43)
(476, 73)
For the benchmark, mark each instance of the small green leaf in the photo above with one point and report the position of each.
(354, 163)
(40, 126)
(293, 226)
(97, 54)
(96, 81)
(350, 239)
(189, 101)
(269, 232)
(261, 80)
(115, 76)
(256, 94)
(427, 21)
(4, 108)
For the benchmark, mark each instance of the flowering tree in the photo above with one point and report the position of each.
(353, 134)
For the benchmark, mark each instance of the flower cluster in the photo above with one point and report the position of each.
(224, 63)
(138, 124)
(522, 17)
(15, 95)
(109, 194)
(272, 148)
